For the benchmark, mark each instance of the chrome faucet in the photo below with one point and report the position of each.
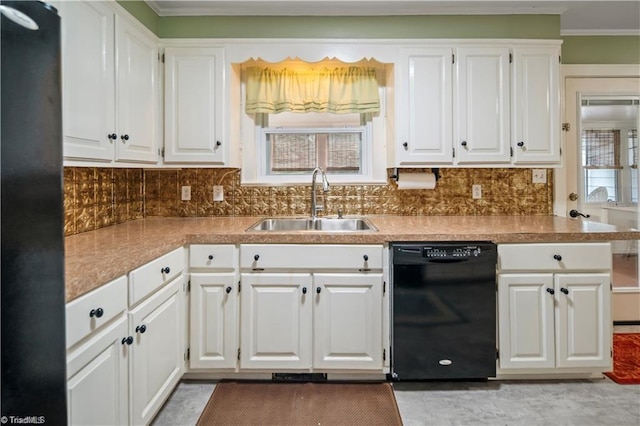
(325, 188)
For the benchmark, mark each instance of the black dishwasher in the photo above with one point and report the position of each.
(443, 310)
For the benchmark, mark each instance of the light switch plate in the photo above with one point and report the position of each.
(539, 176)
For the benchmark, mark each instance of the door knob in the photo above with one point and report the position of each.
(228, 290)
(318, 290)
(165, 270)
(304, 290)
(127, 340)
(551, 291)
(576, 213)
(141, 329)
(564, 290)
(573, 196)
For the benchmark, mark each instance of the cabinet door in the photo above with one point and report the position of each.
(348, 321)
(138, 89)
(583, 324)
(88, 96)
(535, 105)
(157, 361)
(526, 320)
(214, 320)
(482, 105)
(276, 321)
(97, 379)
(425, 110)
(194, 82)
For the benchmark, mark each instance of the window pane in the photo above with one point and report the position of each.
(291, 153)
(601, 148)
(344, 153)
(601, 185)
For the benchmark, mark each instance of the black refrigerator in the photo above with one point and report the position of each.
(32, 297)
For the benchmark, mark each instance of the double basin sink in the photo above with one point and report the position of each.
(326, 224)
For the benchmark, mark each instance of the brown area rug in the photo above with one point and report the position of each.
(269, 403)
(626, 359)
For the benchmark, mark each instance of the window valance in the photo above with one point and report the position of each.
(348, 89)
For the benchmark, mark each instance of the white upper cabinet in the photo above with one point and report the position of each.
(481, 132)
(482, 105)
(535, 105)
(425, 118)
(88, 66)
(138, 95)
(109, 84)
(194, 94)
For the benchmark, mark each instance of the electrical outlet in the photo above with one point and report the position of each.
(218, 193)
(186, 193)
(539, 176)
(476, 191)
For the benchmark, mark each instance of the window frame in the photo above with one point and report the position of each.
(262, 152)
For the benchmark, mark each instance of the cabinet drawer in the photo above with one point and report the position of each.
(93, 310)
(301, 256)
(211, 256)
(554, 257)
(148, 278)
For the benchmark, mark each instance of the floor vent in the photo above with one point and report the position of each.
(299, 377)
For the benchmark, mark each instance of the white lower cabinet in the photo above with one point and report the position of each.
(276, 321)
(214, 320)
(347, 326)
(157, 360)
(97, 388)
(303, 321)
(555, 320)
(123, 363)
(313, 316)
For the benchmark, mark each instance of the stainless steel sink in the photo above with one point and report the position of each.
(324, 224)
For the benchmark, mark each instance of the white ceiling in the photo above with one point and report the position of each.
(596, 17)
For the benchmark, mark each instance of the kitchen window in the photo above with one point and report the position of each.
(305, 116)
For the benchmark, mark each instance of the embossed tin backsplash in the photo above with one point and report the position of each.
(99, 197)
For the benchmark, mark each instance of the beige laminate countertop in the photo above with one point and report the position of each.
(97, 257)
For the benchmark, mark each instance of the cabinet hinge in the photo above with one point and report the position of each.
(238, 354)
(611, 352)
(497, 353)
(611, 286)
(453, 58)
(566, 127)
(161, 57)
(187, 354)
(162, 152)
(239, 286)
(453, 152)
(384, 287)
(186, 286)
(560, 58)
(510, 58)
(511, 151)
(384, 354)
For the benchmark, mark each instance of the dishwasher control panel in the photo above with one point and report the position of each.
(455, 251)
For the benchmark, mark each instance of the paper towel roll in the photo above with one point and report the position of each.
(416, 180)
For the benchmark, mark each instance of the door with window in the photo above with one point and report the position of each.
(602, 115)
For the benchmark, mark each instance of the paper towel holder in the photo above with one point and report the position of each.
(435, 171)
